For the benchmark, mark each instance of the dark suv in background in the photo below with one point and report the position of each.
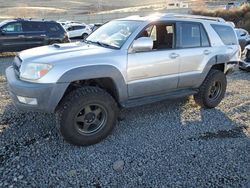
(21, 34)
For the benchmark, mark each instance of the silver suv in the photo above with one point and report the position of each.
(125, 63)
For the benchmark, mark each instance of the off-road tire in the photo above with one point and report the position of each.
(202, 97)
(69, 108)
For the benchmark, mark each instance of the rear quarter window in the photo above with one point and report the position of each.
(226, 33)
(54, 27)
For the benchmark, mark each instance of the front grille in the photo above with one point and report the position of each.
(16, 65)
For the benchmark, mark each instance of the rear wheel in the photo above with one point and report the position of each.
(212, 90)
(87, 116)
(84, 35)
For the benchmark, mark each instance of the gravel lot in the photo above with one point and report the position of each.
(168, 144)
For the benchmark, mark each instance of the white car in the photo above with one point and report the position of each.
(66, 24)
(231, 5)
(78, 30)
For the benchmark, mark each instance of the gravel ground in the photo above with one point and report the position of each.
(168, 144)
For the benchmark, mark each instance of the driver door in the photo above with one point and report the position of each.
(156, 71)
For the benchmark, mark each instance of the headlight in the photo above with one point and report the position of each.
(34, 71)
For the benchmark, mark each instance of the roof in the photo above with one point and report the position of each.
(170, 16)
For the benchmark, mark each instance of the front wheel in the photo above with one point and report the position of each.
(87, 116)
(212, 90)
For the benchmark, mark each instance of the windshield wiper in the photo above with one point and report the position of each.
(105, 45)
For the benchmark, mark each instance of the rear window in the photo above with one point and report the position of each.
(226, 33)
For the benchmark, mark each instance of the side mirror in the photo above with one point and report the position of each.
(243, 34)
(143, 44)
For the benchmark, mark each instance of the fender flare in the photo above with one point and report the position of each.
(95, 72)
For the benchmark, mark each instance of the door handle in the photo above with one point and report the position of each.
(21, 36)
(207, 52)
(174, 55)
(43, 35)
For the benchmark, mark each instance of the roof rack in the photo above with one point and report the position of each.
(173, 15)
(34, 19)
(194, 17)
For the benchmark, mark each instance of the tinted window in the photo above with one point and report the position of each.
(52, 27)
(191, 35)
(33, 27)
(79, 27)
(226, 34)
(13, 28)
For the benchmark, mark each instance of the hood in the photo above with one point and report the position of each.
(61, 52)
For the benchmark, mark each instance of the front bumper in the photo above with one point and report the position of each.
(244, 65)
(47, 95)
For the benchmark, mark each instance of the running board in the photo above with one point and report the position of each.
(156, 98)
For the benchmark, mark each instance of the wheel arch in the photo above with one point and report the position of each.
(106, 77)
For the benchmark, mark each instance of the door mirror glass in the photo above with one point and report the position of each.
(143, 44)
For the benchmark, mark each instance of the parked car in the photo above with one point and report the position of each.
(233, 4)
(21, 34)
(243, 37)
(245, 61)
(66, 23)
(95, 26)
(125, 63)
(78, 31)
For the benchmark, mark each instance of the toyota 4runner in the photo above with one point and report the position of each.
(125, 63)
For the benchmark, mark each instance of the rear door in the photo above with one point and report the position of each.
(12, 37)
(195, 50)
(35, 33)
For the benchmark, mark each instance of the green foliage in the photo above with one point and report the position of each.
(240, 16)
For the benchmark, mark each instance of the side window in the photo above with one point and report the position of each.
(204, 37)
(226, 33)
(189, 35)
(69, 29)
(33, 27)
(53, 27)
(79, 27)
(13, 28)
(162, 35)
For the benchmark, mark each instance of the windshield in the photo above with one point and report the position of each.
(3, 23)
(113, 34)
